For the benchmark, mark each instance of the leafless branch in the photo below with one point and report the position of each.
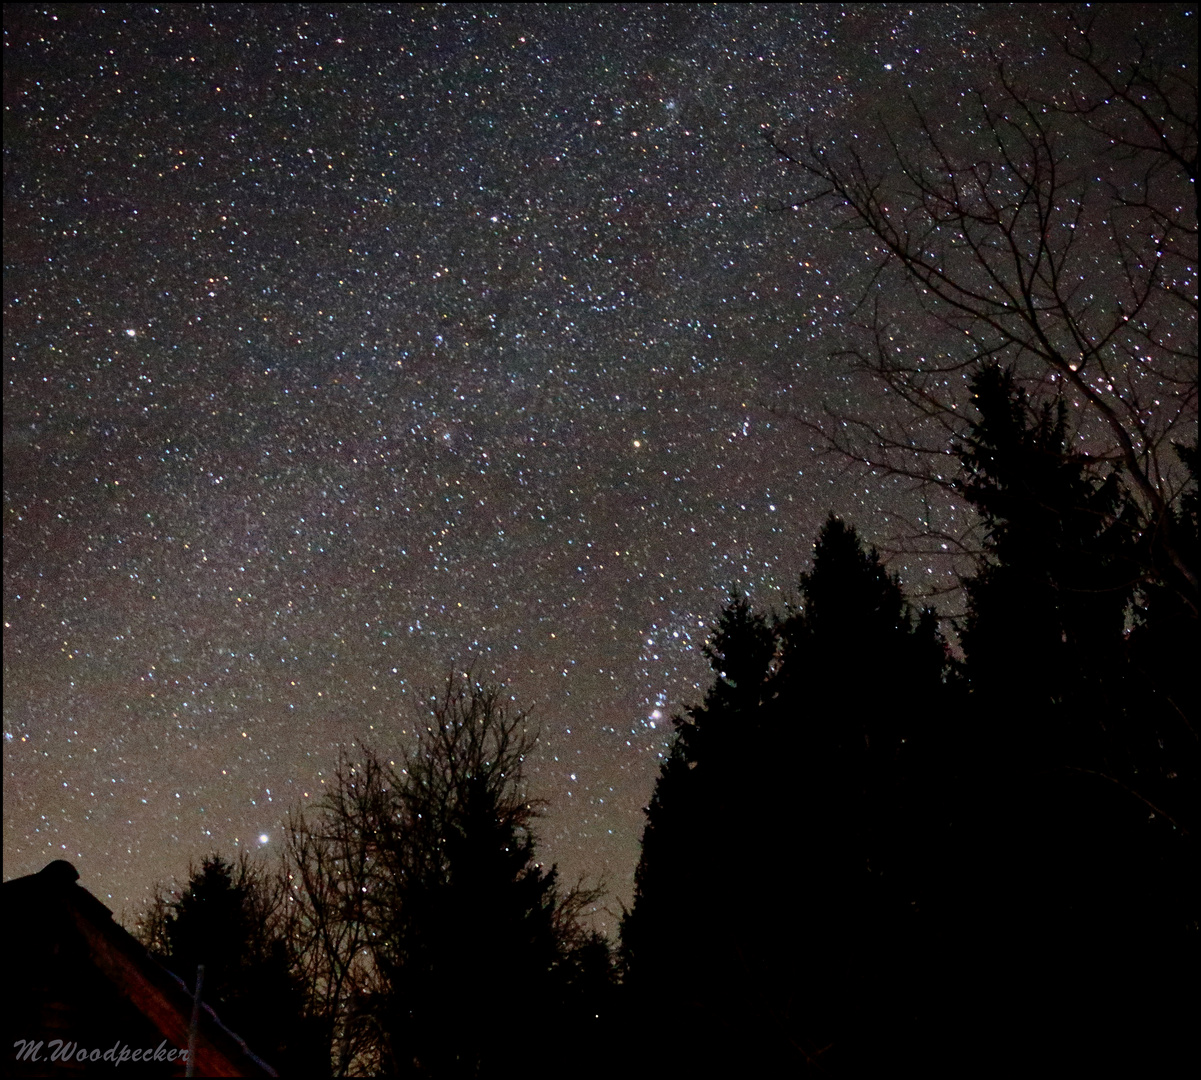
(1015, 252)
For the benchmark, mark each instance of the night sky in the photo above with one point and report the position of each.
(346, 346)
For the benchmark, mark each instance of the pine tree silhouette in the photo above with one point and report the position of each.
(1060, 569)
(764, 910)
(451, 938)
(1072, 865)
(224, 919)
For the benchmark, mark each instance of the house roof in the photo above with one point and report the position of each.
(57, 916)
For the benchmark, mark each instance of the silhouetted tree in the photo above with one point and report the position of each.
(227, 918)
(329, 871)
(865, 700)
(444, 930)
(1059, 571)
(763, 909)
(681, 938)
(1049, 224)
(856, 858)
(1077, 849)
(852, 608)
(1163, 644)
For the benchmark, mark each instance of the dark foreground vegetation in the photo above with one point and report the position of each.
(861, 854)
(866, 854)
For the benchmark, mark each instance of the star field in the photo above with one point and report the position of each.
(348, 346)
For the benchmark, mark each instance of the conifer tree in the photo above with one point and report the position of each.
(227, 918)
(1164, 641)
(1059, 571)
(1072, 855)
(682, 940)
(430, 934)
(760, 909)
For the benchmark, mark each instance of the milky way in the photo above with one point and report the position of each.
(346, 347)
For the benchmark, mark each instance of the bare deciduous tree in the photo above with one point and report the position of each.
(328, 872)
(1056, 234)
(413, 882)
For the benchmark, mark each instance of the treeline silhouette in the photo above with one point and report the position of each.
(410, 929)
(864, 852)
